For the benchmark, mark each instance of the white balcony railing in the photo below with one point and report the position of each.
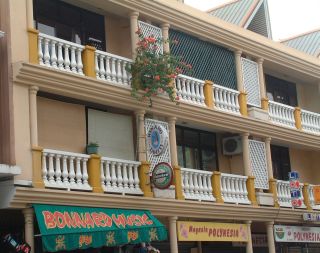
(281, 114)
(226, 99)
(234, 189)
(310, 121)
(284, 195)
(120, 176)
(65, 170)
(190, 89)
(196, 184)
(112, 68)
(311, 198)
(60, 54)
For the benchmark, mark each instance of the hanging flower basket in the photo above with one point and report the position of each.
(153, 73)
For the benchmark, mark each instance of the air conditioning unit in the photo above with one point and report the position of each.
(232, 145)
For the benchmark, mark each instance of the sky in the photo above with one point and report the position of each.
(288, 17)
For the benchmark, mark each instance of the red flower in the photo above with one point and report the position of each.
(177, 98)
(151, 39)
(157, 78)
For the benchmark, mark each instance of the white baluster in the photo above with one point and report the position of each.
(136, 177)
(40, 54)
(72, 173)
(85, 175)
(51, 170)
(192, 91)
(65, 171)
(201, 191)
(113, 70)
(124, 73)
(44, 168)
(79, 61)
(196, 184)
(97, 69)
(188, 89)
(58, 170)
(108, 70)
(73, 59)
(191, 185)
(178, 86)
(119, 74)
(103, 172)
(108, 175)
(125, 176)
(113, 175)
(119, 175)
(201, 93)
(46, 52)
(60, 56)
(131, 180)
(205, 186)
(102, 70)
(66, 57)
(78, 172)
(186, 184)
(53, 54)
(184, 88)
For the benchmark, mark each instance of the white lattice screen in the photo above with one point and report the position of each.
(165, 155)
(258, 163)
(250, 75)
(151, 30)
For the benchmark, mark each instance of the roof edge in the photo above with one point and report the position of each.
(300, 35)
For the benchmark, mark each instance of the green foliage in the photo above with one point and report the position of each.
(153, 73)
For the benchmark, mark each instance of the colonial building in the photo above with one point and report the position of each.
(248, 115)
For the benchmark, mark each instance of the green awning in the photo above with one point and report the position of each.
(73, 227)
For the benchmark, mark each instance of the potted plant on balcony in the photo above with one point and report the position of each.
(153, 72)
(92, 148)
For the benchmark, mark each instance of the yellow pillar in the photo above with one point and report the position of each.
(306, 198)
(297, 118)
(29, 227)
(243, 103)
(251, 190)
(33, 45)
(165, 36)
(265, 104)
(88, 60)
(94, 172)
(273, 190)
(208, 94)
(37, 180)
(144, 178)
(133, 29)
(216, 186)
(178, 182)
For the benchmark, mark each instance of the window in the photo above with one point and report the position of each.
(196, 149)
(281, 91)
(280, 162)
(70, 23)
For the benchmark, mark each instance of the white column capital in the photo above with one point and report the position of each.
(140, 113)
(33, 89)
(267, 140)
(270, 223)
(245, 135)
(260, 61)
(172, 119)
(134, 14)
(248, 222)
(173, 219)
(237, 52)
(165, 26)
(28, 212)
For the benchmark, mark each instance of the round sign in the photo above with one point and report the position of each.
(162, 175)
(157, 140)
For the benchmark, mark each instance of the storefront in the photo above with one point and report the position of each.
(296, 239)
(72, 228)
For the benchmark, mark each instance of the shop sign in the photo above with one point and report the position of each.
(157, 139)
(296, 234)
(258, 241)
(295, 191)
(316, 194)
(18, 247)
(311, 217)
(162, 175)
(209, 231)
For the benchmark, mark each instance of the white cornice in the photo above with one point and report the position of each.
(93, 90)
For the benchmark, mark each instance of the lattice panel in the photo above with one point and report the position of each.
(258, 163)
(165, 156)
(250, 74)
(151, 30)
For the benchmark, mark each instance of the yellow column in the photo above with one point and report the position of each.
(251, 190)
(243, 103)
(178, 182)
(165, 36)
(33, 115)
(37, 180)
(268, 156)
(270, 237)
(144, 178)
(173, 234)
(306, 197)
(273, 190)
(208, 94)
(33, 45)
(88, 59)
(216, 186)
(133, 29)
(245, 154)
(142, 153)
(29, 227)
(297, 118)
(29, 5)
(265, 104)
(94, 172)
(249, 248)
(237, 56)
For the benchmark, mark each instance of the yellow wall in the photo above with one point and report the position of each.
(118, 35)
(308, 97)
(22, 131)
(307, 163)
(61, 126)
(19, 35)
(229, 164)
